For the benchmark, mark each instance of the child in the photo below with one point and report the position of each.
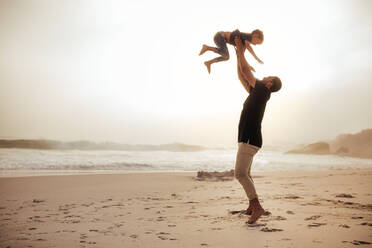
(221, 38)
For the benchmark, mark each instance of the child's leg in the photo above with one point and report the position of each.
(208, 48)
(218, 59)
(221, 49)
(209, 62)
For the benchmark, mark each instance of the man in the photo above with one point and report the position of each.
(249, 135)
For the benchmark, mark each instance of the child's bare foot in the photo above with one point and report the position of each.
(256, 214)
(203, 50)
(208, 65)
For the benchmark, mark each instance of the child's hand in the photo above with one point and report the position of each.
(260, 61)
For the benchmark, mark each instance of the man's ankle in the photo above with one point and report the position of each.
(255, 204)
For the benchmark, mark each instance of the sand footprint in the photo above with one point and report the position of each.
(267, 229)
(316, 224)
(357, 217)
(279, 218)
(344, 226)
(292, 197)
(87, 204)
(343, 195)
(255, 224)
(357, 242)
(314, 217)
(366, 224)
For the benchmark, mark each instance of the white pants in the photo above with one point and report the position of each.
(243, 164)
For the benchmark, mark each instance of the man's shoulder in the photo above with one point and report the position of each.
(258, 83)
(259, 88)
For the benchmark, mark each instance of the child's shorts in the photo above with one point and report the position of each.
(220, 41)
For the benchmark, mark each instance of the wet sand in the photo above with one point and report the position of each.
(308, 209)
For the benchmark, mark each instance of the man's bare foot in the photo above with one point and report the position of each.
(203, 50)
(208, 65)
(256, 214)
(248, 211)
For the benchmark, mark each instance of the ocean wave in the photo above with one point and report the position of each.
(42, 144)
(112, 166)
(210, 160)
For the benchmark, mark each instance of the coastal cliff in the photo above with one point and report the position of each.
(352, 145)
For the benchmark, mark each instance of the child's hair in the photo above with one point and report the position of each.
(259, 34)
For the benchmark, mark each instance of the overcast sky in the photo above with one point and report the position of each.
(129, 71)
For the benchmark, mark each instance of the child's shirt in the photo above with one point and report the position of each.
(242, 36)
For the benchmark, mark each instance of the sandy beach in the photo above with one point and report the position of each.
(308, 209)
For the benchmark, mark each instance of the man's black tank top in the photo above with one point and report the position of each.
(252, 115)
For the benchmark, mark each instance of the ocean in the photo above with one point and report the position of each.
(15, 161)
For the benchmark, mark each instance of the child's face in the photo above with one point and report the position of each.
(256, 40)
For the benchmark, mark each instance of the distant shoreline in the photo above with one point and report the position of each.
(357, 145)
(36, 173)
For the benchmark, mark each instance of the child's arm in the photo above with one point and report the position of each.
(248, 46)
(244, 67)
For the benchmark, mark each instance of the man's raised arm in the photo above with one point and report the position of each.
(244, 82)
(244, 71)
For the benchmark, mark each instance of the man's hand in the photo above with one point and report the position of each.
(243, 67)
(239, 45)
